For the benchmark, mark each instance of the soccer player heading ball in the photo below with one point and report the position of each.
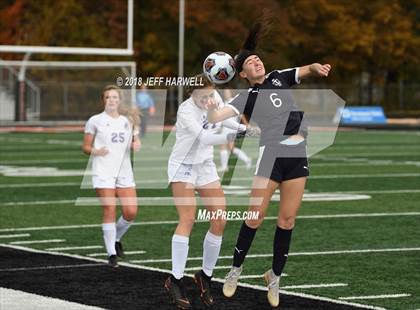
(191, 168)
(282, 163)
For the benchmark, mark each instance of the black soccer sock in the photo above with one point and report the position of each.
(281, 249)
(203, 274)
(175, 280)
(246, 235)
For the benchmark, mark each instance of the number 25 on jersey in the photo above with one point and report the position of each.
(117, 137)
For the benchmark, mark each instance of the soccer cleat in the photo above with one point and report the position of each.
(119, 249)
(273, 288)
(204, 284)
(231, 281)
(112, 261)
(175, 289)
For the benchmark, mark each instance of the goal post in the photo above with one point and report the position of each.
(57, 90)
(127, 51)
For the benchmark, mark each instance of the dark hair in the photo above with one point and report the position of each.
(255, 33)
(203, 82)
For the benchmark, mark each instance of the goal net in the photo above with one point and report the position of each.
(56, 90)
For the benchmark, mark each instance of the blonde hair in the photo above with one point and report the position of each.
(130, 111)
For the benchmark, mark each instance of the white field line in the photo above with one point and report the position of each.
(45, 202)
(258, 276)
(171, 222)
(19, 300)
(356, 176)
(305, 295)
(256, 287)
(231, 199)
(391, 191)
(51, 184)
(38, 241)
(241, 198)
(354, 215)
(36, 142)
(24, 203)
(125, 253)
(339, 252)
(50, 267)
(345, 158)
(65, 154)
(375, 296)
(370, 162)
(15, 236)
(200, 267)
(332, 164)
(305, 286)
(68, 248)
(47, 172)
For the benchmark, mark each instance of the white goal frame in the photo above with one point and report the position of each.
(22, 65)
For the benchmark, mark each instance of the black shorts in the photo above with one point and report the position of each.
(281, 163)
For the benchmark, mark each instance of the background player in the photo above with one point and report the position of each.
(227, 149)
(146, 105)
(282, 133)
(108, 139)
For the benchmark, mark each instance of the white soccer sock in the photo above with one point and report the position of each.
(109, 232)
(179, 255)
(122, 227)
(241, 155)
(224, 158)
(211, 250)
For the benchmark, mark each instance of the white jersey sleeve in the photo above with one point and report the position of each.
(188, 121)
(231, 123)
(91, 126)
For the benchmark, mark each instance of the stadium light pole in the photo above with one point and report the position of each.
(181, 48)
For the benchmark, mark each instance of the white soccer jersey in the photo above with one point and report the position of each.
(116, 135)
(191, 121)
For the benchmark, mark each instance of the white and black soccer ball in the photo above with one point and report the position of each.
(219, 67)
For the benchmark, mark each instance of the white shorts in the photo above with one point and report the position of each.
(113, 182)
(197, 174)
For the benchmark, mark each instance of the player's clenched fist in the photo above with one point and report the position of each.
(100, 152)
(320, 70)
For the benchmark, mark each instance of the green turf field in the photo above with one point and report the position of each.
(363, 246)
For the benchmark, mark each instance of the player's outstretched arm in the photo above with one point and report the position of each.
(314, 70)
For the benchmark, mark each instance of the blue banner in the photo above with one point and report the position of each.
(362, 115)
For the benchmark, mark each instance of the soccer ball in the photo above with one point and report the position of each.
(219, 67)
